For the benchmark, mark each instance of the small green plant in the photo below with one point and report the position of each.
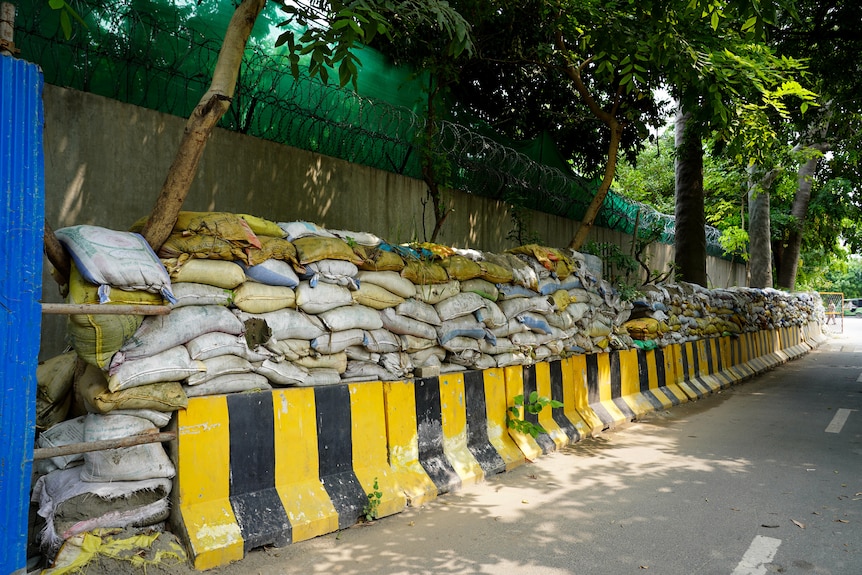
(372, 508)
(535, 404)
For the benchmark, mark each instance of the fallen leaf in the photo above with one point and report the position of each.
(841, 521)
(768, 526)
(524, 501)
(798, 524)
(644, 566)
(412, 523)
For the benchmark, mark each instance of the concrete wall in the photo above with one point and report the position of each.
(105, 163)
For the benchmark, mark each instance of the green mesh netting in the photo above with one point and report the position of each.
(160, 54)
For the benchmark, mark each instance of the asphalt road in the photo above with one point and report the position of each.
(763, 478)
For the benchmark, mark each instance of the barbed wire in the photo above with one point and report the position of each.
(163, 59)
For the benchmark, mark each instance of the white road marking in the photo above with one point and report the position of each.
(838, 421)
(760, 553)
(859, 379)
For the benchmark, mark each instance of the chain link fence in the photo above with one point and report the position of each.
(833, 304)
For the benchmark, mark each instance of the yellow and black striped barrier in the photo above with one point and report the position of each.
(286, 465)
(272, 468)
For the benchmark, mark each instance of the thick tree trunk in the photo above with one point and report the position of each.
(790, 258)
(690, 235)
(201, 123)
(759, 229)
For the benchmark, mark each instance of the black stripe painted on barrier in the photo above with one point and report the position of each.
(429, 422)
(661, 375)
(710, 363)
(559, 413)
(335, 453)
(691, 380)
(594, 399)
(617, 386)
(477, 424)
(258, 509)
(545, 442)
(643, 380)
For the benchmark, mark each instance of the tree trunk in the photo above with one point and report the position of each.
(790, 258)
(616, 127)
(596, 203)
(201, 123)
(690, 236)
(759, 229)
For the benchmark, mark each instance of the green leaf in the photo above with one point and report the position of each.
(534, 396)
(66, 24)
(56, 4)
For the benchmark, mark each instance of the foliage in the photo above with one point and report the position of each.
(372, 508)
(534, 405)
(67, 14)
(845, 277)
(332, 28)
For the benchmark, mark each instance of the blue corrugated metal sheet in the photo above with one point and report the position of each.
(22, 217)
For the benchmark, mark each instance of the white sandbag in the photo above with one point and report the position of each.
(375, 296)
(534, 322)
(273, 272)
(366, 371)
(560, 320)
(388, 280)
(158, 418)
(174, 364)
(398, 364)
(229, 384)
(219, 273)
(253, 297)
(381, 341)
(449, 367)
(188, 293)
(337, 341)
(530, 338)
(282, 372)
(459, 344)
(502, 345)
(289, 349)
(513, 307)
(411, 343)
(465, 326)
(360, 238)
(323, 297)
(353, 316)
(433, 355)
(577, 311)
(338, 272)
(302, 229)
(147, 461)
(162, 332)
(336, 361)
(109, 258)
(513, 326)
(322, 377)
(491, 315)
(359, 353)
(220, 365)
(459, 305)
(63, 433)
(216, 343)
(289, 324)
(419, 310)
(508, 359)
(404, 325)
(111, 503)
(435, 293)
